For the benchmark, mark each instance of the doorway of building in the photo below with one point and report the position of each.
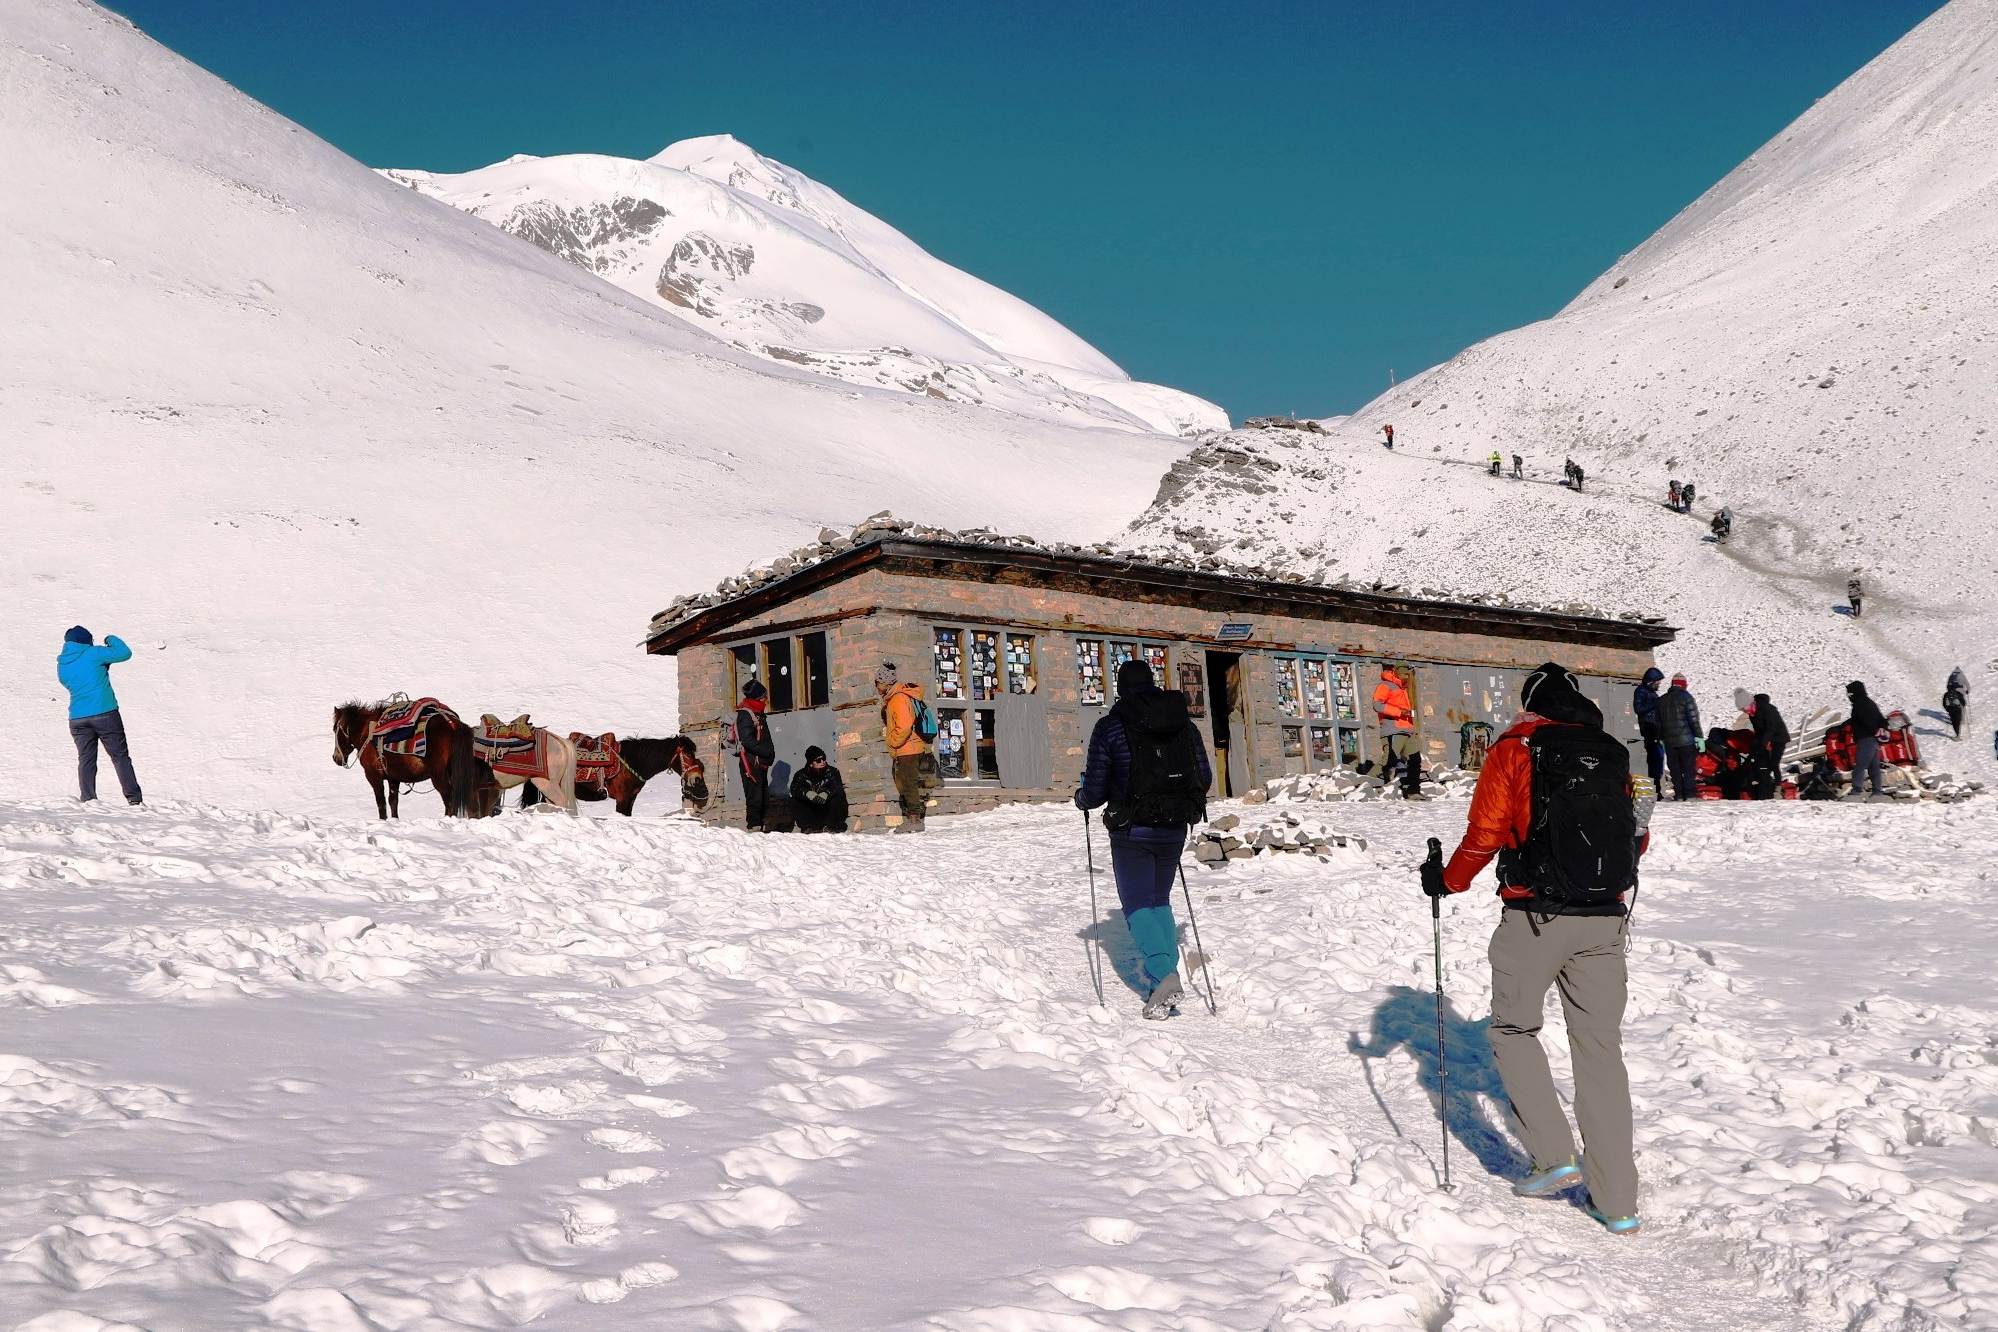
(1228, 712)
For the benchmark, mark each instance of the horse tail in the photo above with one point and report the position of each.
(530, 795)
(464, 773)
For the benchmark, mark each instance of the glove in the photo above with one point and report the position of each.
(1699, 746)
(1078, 801)
(1432, 879)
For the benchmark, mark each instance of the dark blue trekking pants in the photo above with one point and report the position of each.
(1145, 862)
(107, 729)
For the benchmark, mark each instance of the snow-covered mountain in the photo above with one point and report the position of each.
(1814, 342)
(301, 434)
(752, 251)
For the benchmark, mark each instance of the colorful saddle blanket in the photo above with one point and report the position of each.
(597, 758)
(404, 725)
(517, 748)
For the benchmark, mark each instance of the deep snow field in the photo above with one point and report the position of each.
(268, 1070)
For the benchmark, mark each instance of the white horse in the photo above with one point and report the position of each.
(552, 755)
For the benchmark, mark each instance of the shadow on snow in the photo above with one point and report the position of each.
(1407, 1017)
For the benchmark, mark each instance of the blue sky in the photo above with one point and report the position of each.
(1271, 205)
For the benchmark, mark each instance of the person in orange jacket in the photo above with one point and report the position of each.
(1398, 741)
(1539, 944)
(915, 766)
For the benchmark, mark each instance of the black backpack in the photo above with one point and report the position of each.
(1164, 789)
(1580, 855)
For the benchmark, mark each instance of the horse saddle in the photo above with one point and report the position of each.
(596, 755)
(492, 728)
(403, 726)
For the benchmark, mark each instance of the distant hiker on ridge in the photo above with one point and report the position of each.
(1388, 430)
(85, 670)
(1148, 764)
(1518, 468)
(1853, 591)
(1496, 463)
(1672, 497)
(1686, 498)
(1956, 700)
(1567, 853)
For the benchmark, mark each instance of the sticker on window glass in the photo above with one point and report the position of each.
(1317, 693)
(1286, 683)
(1020, 677)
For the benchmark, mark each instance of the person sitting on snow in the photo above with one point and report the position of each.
(818, 795)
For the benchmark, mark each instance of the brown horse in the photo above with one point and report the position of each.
(465, 785)
(639, 761)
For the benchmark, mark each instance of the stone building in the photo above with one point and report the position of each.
(1017, 650)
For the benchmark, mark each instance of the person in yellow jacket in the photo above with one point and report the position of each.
(1397, 722)
(915, 765)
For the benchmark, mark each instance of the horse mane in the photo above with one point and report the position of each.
(650, 757)
(355, 713)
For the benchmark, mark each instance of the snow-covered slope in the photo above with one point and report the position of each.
(1814, 342)
(300, 434)
(764, 256)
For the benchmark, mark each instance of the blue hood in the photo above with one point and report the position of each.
(1652, 676)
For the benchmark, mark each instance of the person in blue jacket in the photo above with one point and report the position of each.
(1148, 764)
(85, 670)
(1644, 702)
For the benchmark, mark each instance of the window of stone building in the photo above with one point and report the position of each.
(818, 670)
(779, 675)
(947, 655)
(1091, 688)
(796, 672)
(1022, 672)
(1318, 709)
(983, 667)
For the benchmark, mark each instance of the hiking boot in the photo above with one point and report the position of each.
(911, 823)
(1553, 1180)
(1615, 1225)
(1165, 997)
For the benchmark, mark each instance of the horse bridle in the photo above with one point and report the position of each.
(354, 748)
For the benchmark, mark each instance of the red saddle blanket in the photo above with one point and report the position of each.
(404, 726)
(597, 758)
(514, 749)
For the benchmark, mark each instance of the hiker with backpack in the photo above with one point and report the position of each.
(1853, 592)
(1956, 700)
(1518, 468)
(818, 795)
(755, 752)
(1149, 773)
(1495, 463)
(1672, 497)
(910, 729)
(1555, 805)
(1679, 732)
(1388, 430)
(84, 668)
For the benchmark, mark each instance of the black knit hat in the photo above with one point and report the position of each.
(1135, 677)
(754, 689)
(813, 753)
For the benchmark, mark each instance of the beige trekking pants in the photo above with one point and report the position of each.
(1583, 955)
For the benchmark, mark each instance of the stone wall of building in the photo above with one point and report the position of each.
(876, 616)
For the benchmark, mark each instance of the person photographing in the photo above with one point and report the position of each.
(84, 668)
(1556, 806)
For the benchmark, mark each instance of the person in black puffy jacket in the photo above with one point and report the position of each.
(1869, 729)
(1679, 732)
(1765, 751)
(818, 795)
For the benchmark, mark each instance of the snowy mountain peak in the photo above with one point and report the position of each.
(753, 251)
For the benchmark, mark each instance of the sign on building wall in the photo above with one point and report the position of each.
(1193, 683)
(1236, 633)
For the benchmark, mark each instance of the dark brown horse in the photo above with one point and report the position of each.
(464, 784)
(639, 761)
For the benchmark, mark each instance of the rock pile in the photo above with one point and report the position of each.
(1225, 839)
(1438, 783)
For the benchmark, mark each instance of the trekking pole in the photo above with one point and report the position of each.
(1442, 1062)
(1089, 944)
(1206, 962)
